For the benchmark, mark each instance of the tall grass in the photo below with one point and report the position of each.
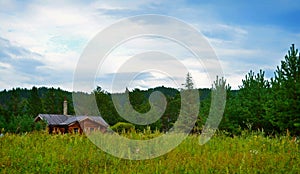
(249, 153)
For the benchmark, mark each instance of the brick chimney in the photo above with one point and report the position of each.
(65, 107)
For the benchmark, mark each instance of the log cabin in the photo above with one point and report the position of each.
(72, 124)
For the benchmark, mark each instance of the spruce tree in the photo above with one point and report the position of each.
(50, 102)
(34, 103)
(188, 82)
(253, 97)
(15, 103)
(285, 109)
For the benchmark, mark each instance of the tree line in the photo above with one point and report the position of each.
(19, 106)
(269, 105)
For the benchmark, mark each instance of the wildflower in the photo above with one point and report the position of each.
(137, 150)
(255, 152)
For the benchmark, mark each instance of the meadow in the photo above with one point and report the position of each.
(39, 152)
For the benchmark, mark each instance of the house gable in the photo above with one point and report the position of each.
(90, 125)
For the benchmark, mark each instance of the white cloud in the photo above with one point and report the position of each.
(57, 32)
(5, 65)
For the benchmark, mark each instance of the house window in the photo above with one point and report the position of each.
(91, 129)
(75, 130)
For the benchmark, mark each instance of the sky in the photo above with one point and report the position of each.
(41, 42)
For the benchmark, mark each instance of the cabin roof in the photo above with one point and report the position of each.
(54, 119)
(73, 119)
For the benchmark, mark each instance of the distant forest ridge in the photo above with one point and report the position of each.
(57, 95)
(271, 106)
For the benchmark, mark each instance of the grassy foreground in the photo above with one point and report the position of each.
(42, 153)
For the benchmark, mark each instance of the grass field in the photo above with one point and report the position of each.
(252, 153)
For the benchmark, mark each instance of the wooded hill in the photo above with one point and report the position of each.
(270, 105)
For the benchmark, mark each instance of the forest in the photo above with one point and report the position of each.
(271, 105)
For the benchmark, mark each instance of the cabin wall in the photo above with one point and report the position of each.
(75, 128)
(90, 126)
(57, 129)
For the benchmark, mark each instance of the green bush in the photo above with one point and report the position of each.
(122, 126)
(21, 124)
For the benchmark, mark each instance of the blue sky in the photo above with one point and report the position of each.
(41, 41)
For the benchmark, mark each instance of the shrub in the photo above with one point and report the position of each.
(122, 126)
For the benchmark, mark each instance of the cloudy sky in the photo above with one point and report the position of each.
(41, 41)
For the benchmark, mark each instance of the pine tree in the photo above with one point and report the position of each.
(50, 102)
(34, 103)
(189, 106)
(284, 109)
(253, 97)
(188, 82)
(15, 103)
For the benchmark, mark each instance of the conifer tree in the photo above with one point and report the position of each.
(284, 111)
(188, 82)
(34, 103)
(15, 103)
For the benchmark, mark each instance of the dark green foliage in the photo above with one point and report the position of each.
(35, 106)
(188, 82)
(21, 124)
(189, 106)
(226, 97)
(231, 118)
(53, 101)
(172, 112)
(122, 126)
(272, 106)
(106, 107)
(3, 123)
(168, 92)
(3, 114)
(50, 102)
(19, 106)
(269, 105)
(252, 99)
(15, 103)
(139, 101)
(284, 101)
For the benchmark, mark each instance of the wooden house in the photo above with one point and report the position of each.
(72, 124)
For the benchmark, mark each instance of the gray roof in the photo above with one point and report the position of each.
(73, 119)
(53, 119)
